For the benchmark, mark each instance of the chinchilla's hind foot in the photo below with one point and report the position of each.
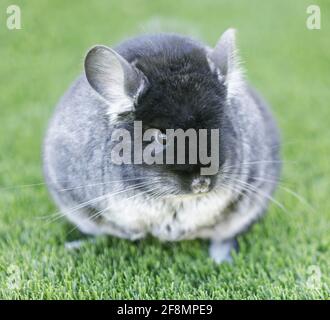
(77, 244)
(220, 251)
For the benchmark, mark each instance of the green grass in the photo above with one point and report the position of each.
(287, 62)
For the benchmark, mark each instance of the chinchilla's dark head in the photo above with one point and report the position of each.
(170, 82)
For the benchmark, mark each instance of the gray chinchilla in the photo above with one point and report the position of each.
(164, 81)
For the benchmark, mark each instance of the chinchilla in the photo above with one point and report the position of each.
(164, 81)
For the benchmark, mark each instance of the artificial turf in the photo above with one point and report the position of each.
(285, 256)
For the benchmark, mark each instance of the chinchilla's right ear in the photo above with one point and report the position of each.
(226, 59)
(114, 78)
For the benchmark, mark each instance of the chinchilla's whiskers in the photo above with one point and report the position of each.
(252, 188)
(141, 184)
(242, 192)
(142, 192)
(282, 186)
(290, 142)
(100, 212)
(232, 188)
(280, 182)
(40, 184)
(158, 194)
(257, 178)
(247, 172)
(239, 165)
(149, 192)
(108, 182)
(60, 214)
(22, 186)
(155, 193)
(168, 191)
(298, 196)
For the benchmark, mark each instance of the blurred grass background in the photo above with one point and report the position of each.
(287, 62)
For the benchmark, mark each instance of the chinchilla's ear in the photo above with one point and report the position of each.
(114, 78)
(226, 60)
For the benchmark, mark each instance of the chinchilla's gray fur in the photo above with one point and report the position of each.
(136, 81)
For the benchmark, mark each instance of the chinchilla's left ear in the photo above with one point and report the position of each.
(114, 78)
(225, 58)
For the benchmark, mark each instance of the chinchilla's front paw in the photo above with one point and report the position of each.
(220, 251)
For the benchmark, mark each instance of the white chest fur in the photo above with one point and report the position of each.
(172, 219)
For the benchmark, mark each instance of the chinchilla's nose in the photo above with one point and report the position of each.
(200, 185)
